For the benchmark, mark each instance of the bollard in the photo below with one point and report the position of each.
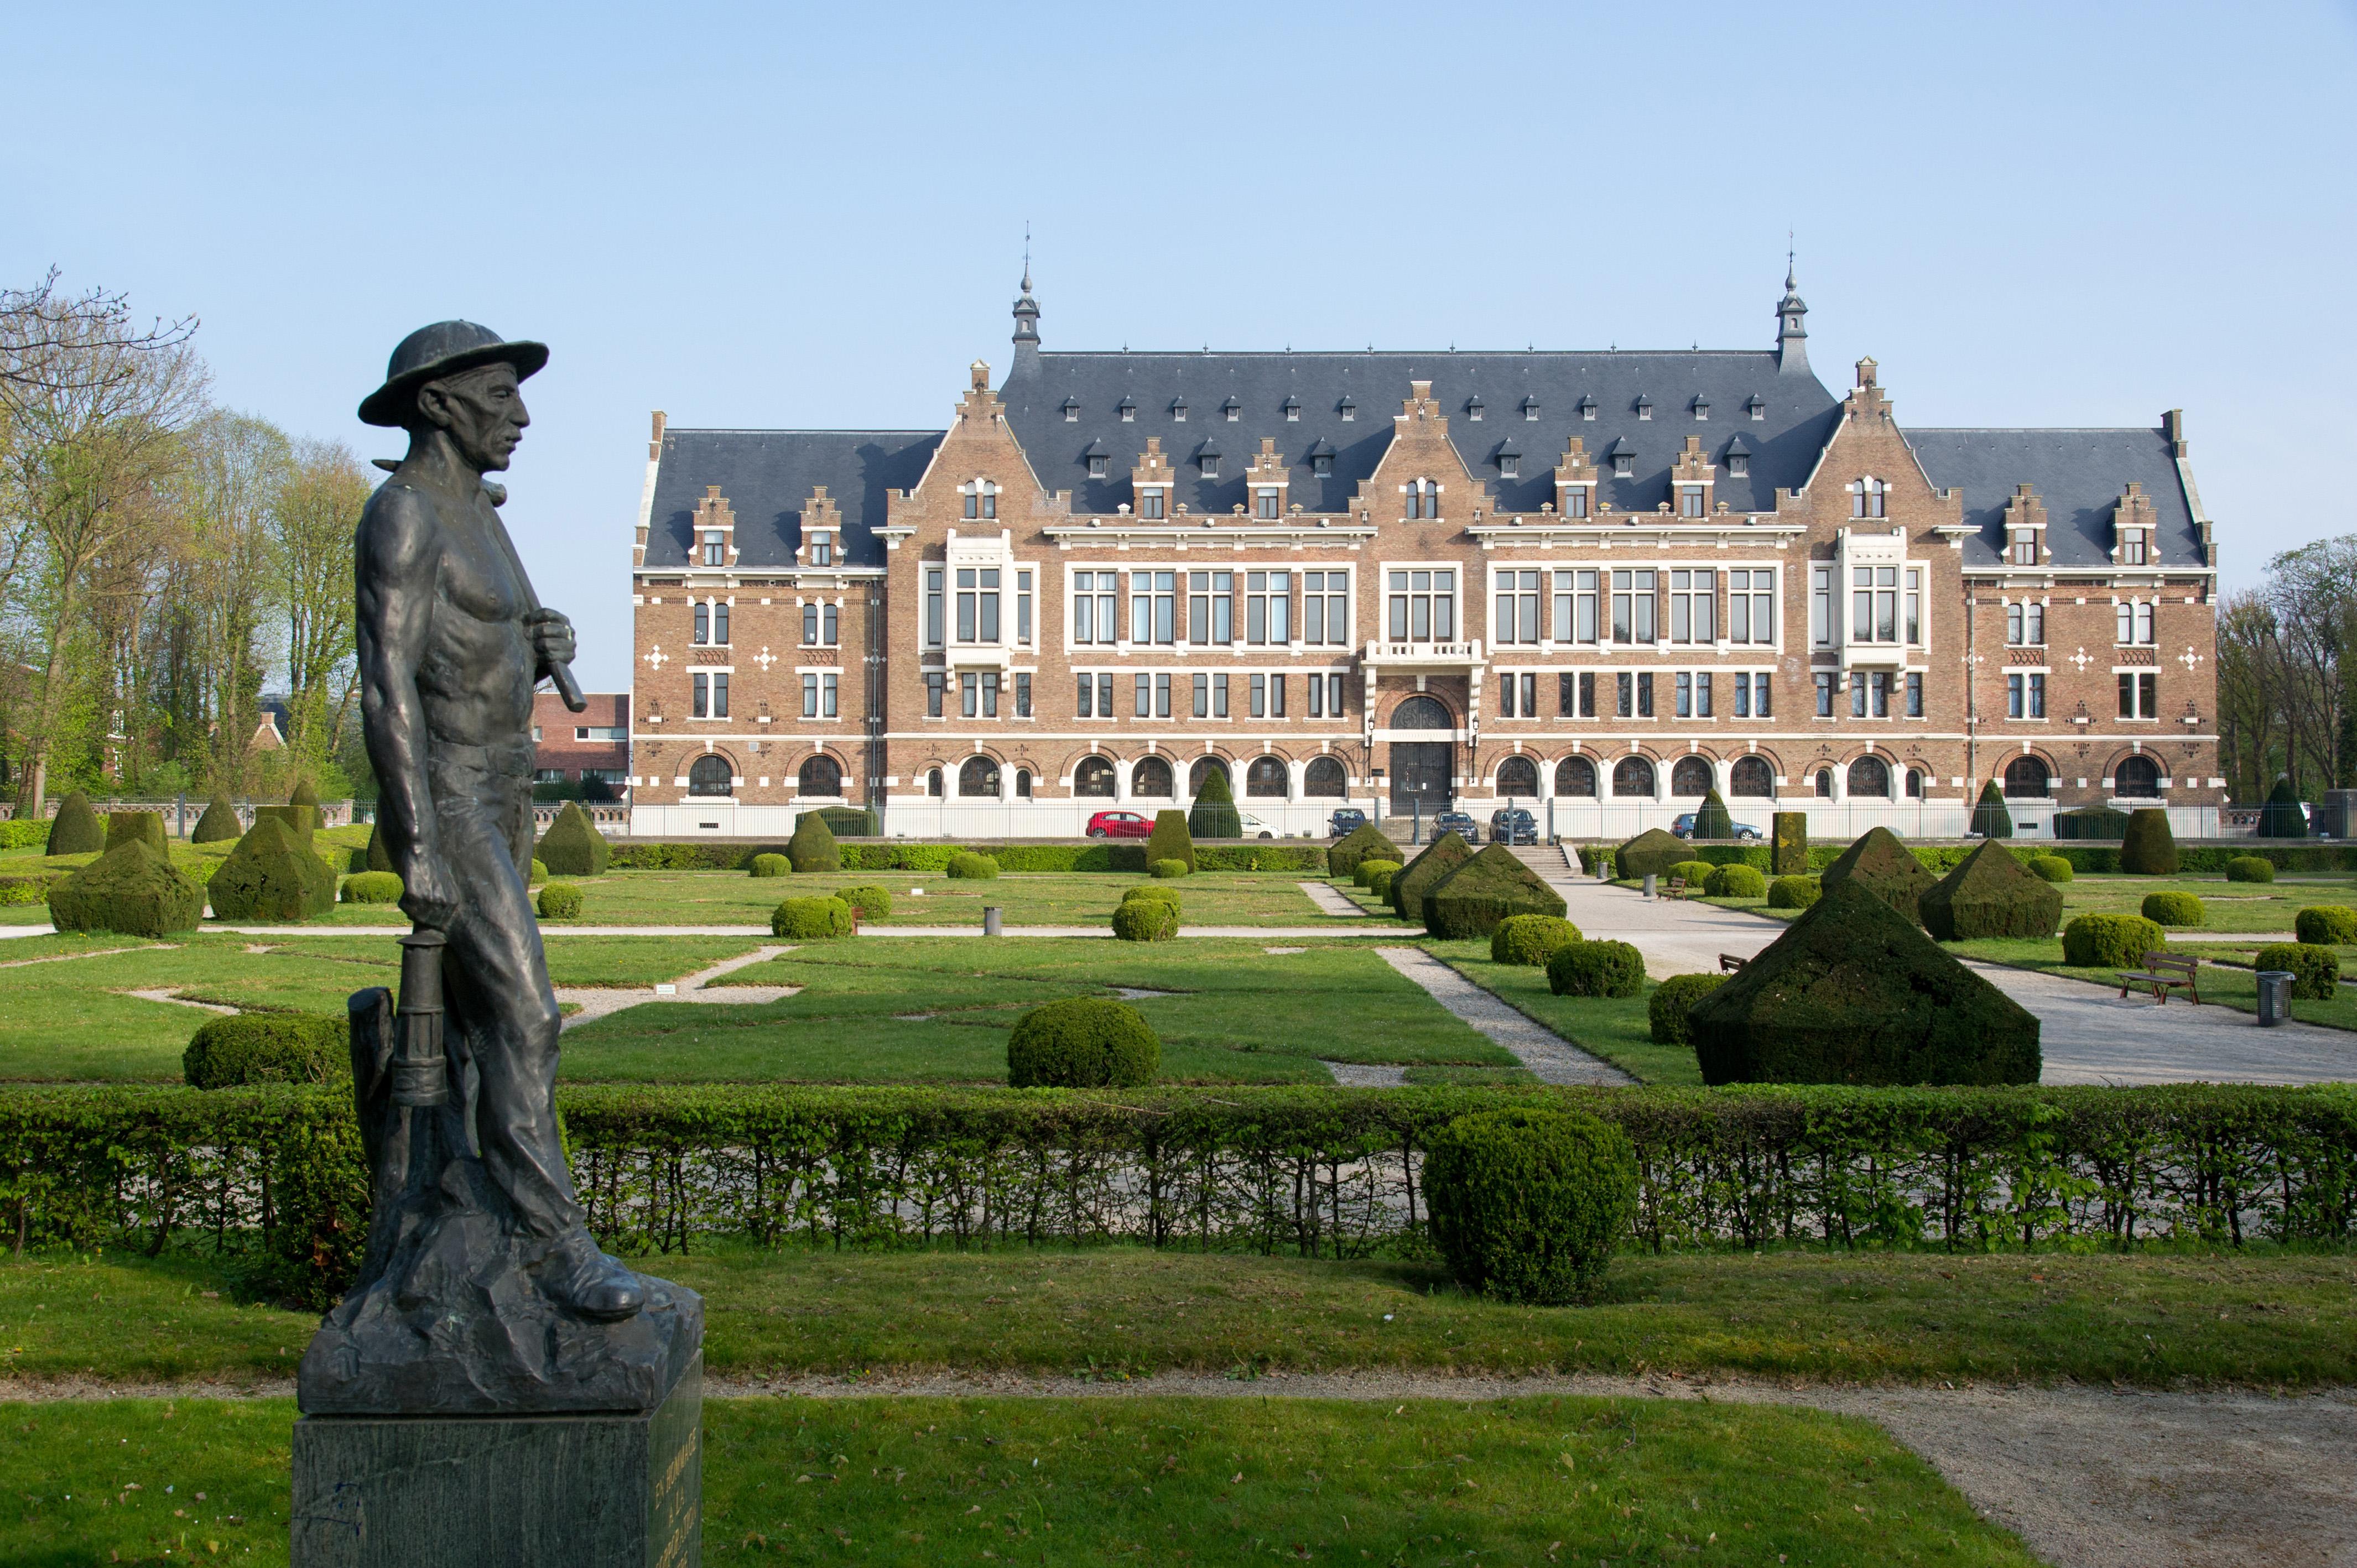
(1649, 885)
(990, 921)
(2275, 996)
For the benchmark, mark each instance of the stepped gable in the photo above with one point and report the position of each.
(767, 477)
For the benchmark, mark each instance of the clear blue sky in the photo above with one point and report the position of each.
(2040, 214)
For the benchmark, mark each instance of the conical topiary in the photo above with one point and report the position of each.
(138, 827)
(1365, 842)
(1881, 861)
(1651, 854)
(812, 847)
(2281, 817)
(271, 875)
(1711, 821)
(1990, 818)
(1412, 881)
(2148, 848)
(131, 889)
(1488, 889)
(379, 857)
(1214, 815)
(76, 830)
(573, 845)
(1991, 893)
(220, 822)
(306, 797)
(1170, 840)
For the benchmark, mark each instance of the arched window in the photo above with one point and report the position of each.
(1633, 776)
(2026, 778)
(2136, 778)
(1869, 778)
(1751, 779)
(1201, 772)
(708, 775)
(821, 775)
(933, 783)
(1266, 777)
(1824, 783)
(1575, 777)
(1324, 780)
(1690, 776)
(1150, 776)
(1518, 776)
(1093, 779)
(1914, 783)
(1421, 711)
(1022, 783)
(978, 779)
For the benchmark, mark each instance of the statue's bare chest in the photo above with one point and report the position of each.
(479, 576)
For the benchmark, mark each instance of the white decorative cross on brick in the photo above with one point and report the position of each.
(657, 658)
(765, 659)
(2081, 658)
(2188, 659)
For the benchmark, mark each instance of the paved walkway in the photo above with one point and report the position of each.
(603, 1001)
(547, 932)
(1330, 898)
(1550, 1057)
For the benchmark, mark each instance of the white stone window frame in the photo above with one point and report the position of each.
(821, 671)
(1383, 627)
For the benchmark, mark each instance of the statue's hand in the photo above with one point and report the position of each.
(430, 895)
(552, 637)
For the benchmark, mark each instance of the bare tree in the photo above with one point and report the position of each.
(237, 467)
(315, 517)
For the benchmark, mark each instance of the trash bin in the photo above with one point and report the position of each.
(990, 920)
(2275, 996)
(1649, 885)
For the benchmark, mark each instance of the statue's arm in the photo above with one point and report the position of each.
(398, 563)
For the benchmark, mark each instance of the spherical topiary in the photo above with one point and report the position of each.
(1692, 873)
(131, 889)
(2314, 971)
(1145, 921)
(2174, 909)
(2250, 868)
(535, 873)
(770, 865)
(966, 865)
(1167, 868)
(2050, 868)
(1665, 1009)
(873, 903)
(1364, 874)
(1084, 1042)
(1793, 892)
(2110, 941)
(560, 901)
(810, 919)
(1735, 882)
(1595, 969)
(1169, 896)
(1527, 1205)
(76, 830)
(372, 888)
(1531, 940)
(2327, 925)
(1380, 883)
(268, 1048)
(2148, 848)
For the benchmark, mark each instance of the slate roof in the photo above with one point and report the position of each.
(1800, 417)
(2078, 474)
(767, 475)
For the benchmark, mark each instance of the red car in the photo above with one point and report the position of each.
(1120, 825)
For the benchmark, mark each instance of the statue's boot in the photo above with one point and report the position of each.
(579, 1275)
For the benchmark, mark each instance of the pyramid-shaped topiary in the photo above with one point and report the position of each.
(812, 847)
(1471, 900)
(1651, 854)
(76, 830)
(2281, 817)
(1711, 821)
(1991, 893)
(1990, 818)
(2148, 848)
(1366, 841)
(138, 827)
(131, 889)
(573, 846)
(1853, 993)
(1213, 814)
(1170, 840)
(1883, 864)
(219, 824)
(1412, 881)
(271, 875)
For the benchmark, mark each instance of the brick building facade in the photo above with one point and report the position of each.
(1596, 584)
(575, 748)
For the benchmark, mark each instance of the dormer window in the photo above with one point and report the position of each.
(1072, 410)
(2132, 547)
(1509, 461)
(1129, 412)
(1530, 408)
(1233, 409)
(1738, 459)
(1588, 409)
(821, 550)
(1321, 460)
(1624, 461)
(1575, 500)
(1150, 504)
(1702, 408)
(2025, 547)
(1293, 409)
(1473, 408)
(1757, 407)
(715, 549)
(1178, 411)
(1346, 409)
(1209, 460)
(1644, 406)
(1100, 460)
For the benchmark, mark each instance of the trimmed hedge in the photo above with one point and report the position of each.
(1145, 921)
(2314, 971)
(2281, 817)
(268, 1048)
(1471, 899)
(967, 866)
(812, 847)
(1735, 881)
(1170, 840)
(535, 873)
(1531, 940)
(1168, 870)
(76, 830)
(868, 900)
(1711, 821)
(573, 846)
(1990, 818)
(2091, 823)
(138, 827)
(2110, 941)
(1595, 969)
(2148, 848)
(23, 833)
(35, 887)
(1155, 891)
(1365, 842)
(1990, 895)
(372, 888)
(1529, 1204)
(1882, 865)
(815, 920)
(847, 822)
(1794, 892)
(131, 889)
(1436, 860)
(302, 823)
(1127, 859)
(2250, 868)
(1379, 884)
(376, 857)
(271, 875)
(1787, 853)
(219, 824)
(2050, 868)
(771, 865)
(1595, 859)
(1651, 854)
(2174, 909)
(2327, 925)
(1213, 814)
(1083, 1042)
(559, 901)
(1665, 1009)
(1364, 874)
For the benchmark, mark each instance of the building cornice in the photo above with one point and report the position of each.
(1624, 528)
(1208, 532)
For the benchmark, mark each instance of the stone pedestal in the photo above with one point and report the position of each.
(586, 1490)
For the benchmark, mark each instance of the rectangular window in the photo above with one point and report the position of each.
(1424, 607)
(1685, 695)
(809, 626)
(700, 698)
(830, 624)
(1634, 594)
(1879, 694)
(1150, 503)
(2024, 625)
(1318, 696)
(1202, 696)
(1644, 694)
(1516, 616)
(1743, 696)
(1325, 608)
(1914, 607)
(1265, 504)
(1624, 695)
(715, 550)
(1219, 696)
(1693, 596)
(810, 696)
(1276, 696)
(1334, 709)
(1023, 607)
(1518, 696)
(1506, 697)
(720, 695)
(703, 623)
(1260, 696)
(720, 622)
(1874, 604)
(827, 688)
(1575, 616)
(1752, 605)
(1635, 693)
(1210, 608)
(2139, 694)
(1104, 697)
(1154, 608)
(2132, 547)
(1587, 695)
(1162, 696)
(932, 607)
(1824, 693)
(1575, 500)
(1690, 500)
(990, 682)
(1268, 606)
(969, 694)
(934, 681)
(972, 504)
(1762, 706)
(1703, 695)
(1821, 607)
(1084, 690)
(1915, 694)
(1145, 696)
(2025, 547)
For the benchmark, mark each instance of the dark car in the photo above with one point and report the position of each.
(1120, 825)
(1683, 828)
(1347, 820)
(1512, 824)
(1461, 823)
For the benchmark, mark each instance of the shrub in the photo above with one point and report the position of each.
(1990, 818)
(1170, 840)
(76, 830)
(131, 889)
(1167, 869)
(372, 887)
(1692, 873)
(2314, 971)
(2248, 868)
(1793, 892)
(810, 919)
(560, 901)
(1855, 993)
(812, 847)
(2050, 868)
(1595, 969)
(1787, 853)
(1364, 874)
(1882, 865)
(23, 833)
(1595, 860)
(573, 846)
(268, 1048)
(2110, 941)
(1363, 843)
(1665, 1009)
(1379, 884)
(1988, 894)
(2281, 817)
(770, 865)
(1527, 1205)
(305, 793)
(2148, 848)
(138, 827)
(219, 824)
(2098, 822)
(2327, 925)
(1531, 940)
(967, 866)
(1145, 921)
(1148, 890)
(1650, 853)
(1412, 881)
(35, 887)
(1735, 881)
(1711, 821)
(847, 822)
(271, 875)
(376, 857)
(1083, 1042)
(871, 902)
(1471, 900)
(1213, 815)
(301, 821)
(2174, 909)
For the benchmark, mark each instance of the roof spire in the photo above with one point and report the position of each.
(1027, 309)
(1792, 338)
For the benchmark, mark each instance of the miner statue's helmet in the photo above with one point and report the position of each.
(442, 350)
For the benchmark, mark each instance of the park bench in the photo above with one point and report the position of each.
(2162, 973)
(1677, 887)
(1730, 964)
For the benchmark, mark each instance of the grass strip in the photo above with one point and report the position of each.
(1613, 1027)
(2226, 985)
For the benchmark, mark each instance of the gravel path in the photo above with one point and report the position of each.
(604, 1002)
(1330, 899)
(1547, 1054)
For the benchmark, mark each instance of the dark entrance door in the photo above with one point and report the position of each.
(1421, 768)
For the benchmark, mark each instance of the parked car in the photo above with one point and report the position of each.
(1683, 828)
(1347, 820)
(1120, 825)
(1253, 827)
(1461, 823)
(1511, 825)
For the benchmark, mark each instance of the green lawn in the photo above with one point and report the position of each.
(926, 1481)
(920, 1010)
(2235, 987)
(1615, 1028)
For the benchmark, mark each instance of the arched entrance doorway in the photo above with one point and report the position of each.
(1420, 768)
